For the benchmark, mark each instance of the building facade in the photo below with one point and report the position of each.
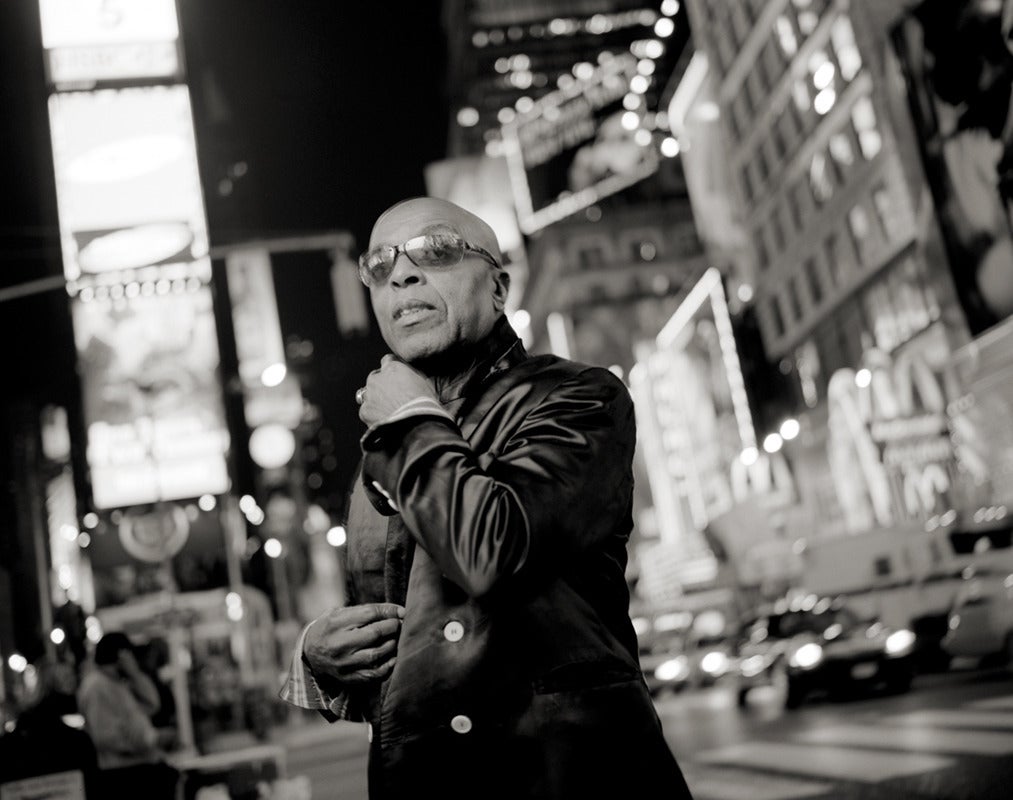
(843, 252)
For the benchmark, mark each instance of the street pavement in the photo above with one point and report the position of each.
(950, 738)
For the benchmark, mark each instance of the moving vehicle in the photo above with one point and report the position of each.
(981, 621)
(817, 645)
(682, 649)
(909, 576)
(662, 638)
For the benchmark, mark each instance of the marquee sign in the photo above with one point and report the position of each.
(571, 148)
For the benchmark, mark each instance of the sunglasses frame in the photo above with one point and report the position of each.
(365, 274)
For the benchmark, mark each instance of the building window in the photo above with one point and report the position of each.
(787, 126)
(819, 179)
(860, 229)
(591, 257)
(840, 259)
(746, 179)
(808, 19)
(841, 150)
(733, 123)
(773, 61)
(725, 49)
(812, 275)
(786, 38)
(843, 37)
(741, 110)
(777, 229)
(777, 142)
(795, 300)
(740, 23)
(762, 256)
(886, 213)
(794, 211)
(863, 116)
(802, 98)
(776, 317)
(762, 167)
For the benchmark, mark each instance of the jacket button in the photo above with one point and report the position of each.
(453, 631)
(461, 723)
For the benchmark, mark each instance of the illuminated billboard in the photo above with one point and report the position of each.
(90, 41)
(703, 380)
(151, 395)
(959, 72)
(575, 146)
(128, 187)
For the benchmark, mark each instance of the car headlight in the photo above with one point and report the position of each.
(807, 656)
(675, 669)
(753, 665)
(899, 642)
(714, 663)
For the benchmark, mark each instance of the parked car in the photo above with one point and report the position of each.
(981, 621)
(819, 646)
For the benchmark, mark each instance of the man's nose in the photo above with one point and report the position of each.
(405, 272)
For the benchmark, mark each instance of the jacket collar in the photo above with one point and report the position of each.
(498, 351)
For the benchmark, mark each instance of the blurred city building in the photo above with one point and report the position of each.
(565, 104)
(876, 257)
(178, 491)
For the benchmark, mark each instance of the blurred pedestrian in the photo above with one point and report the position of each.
(42, 743)
(488, 642)
(118, 700)
(154, 661)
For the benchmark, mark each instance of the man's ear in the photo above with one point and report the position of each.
(501, 288)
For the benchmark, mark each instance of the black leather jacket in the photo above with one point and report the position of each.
(517, 672)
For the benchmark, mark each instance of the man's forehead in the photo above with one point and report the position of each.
(413, 217)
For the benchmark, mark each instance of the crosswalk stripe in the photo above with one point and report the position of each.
(839, 763)
(719, 783)
(913, 739)
(953, 718)
(1004, 702)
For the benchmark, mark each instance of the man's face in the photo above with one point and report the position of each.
(422, 312)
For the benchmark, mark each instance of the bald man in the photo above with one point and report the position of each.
(487, 640)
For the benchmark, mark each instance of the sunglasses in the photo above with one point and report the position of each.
(439, 248)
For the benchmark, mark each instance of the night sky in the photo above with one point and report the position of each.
(331, 109)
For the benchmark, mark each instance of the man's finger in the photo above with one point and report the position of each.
(369, 674)
(355, 616)
(369, 656)
(349, 640)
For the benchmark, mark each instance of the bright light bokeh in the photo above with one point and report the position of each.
(272, 548)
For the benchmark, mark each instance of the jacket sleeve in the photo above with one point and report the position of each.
(561, 484)
(302, 689)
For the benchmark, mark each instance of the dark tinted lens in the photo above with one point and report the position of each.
(435, 249)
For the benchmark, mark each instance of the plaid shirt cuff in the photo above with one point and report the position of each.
(301, 688)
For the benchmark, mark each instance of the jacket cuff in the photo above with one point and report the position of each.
(385, 452)
(302, 689)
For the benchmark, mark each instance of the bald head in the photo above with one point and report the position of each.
(418, 213)
(428, 314)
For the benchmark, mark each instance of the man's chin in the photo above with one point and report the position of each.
(419, 346)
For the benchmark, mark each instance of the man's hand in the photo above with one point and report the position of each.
(392, 386)
(354, 644)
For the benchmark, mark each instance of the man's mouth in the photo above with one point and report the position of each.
(409, 309)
